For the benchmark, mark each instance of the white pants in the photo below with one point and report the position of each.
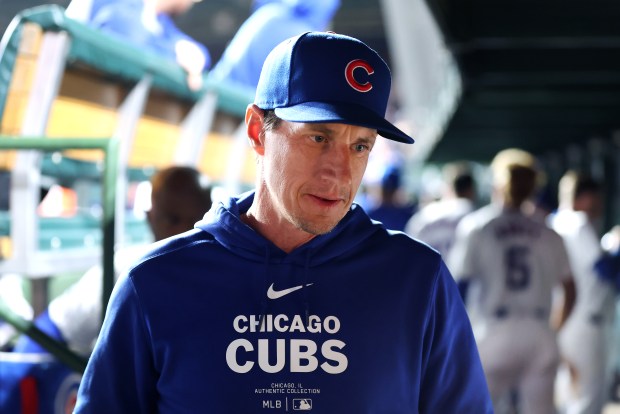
(586, 346)
(520, 354)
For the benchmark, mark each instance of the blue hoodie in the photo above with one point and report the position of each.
(220, 320)
(271, 23)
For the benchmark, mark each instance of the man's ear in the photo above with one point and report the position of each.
(254, 124)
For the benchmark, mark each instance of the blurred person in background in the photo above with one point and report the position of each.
(148, 24)
(608, 267)
(391, 209)
(180, 197)
(513, 262)
(585, 340)
(436, 222)
(271, 22)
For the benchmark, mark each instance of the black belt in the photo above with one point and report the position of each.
(503, 312)
(596, 319)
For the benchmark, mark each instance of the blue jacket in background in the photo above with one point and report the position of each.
(272, 22)
(123, 18)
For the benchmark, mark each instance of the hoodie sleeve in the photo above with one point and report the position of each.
(120, 376)
(452, 377)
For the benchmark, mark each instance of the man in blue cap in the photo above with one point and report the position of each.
(290, 296)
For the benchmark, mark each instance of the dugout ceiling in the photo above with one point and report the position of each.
(536, 74)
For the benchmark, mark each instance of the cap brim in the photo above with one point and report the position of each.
(345, 114)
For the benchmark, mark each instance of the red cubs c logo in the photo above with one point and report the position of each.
(350, 69)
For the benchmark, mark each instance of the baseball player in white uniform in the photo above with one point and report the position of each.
(436, 222)
(585, 340)
(513, 263)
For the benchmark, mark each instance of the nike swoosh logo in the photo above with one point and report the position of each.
(277, 294)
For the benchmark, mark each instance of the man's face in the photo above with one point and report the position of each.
(312, 172)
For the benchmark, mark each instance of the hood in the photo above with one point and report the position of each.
(224, 224)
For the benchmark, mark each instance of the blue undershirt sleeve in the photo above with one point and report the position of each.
(607, 268)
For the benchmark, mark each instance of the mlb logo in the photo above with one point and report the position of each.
(302, 404)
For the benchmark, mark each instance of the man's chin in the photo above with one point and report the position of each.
(317, 227)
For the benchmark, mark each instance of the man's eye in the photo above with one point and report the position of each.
(361, 147)
(318, 138)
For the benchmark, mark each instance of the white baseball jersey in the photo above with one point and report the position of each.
(435, 224)
(513, 263)
(585, 339)
(514, 259)
(77, 311)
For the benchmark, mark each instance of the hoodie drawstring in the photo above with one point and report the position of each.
(263, 301)
(305, 291)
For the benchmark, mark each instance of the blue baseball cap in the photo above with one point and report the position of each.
(328, 77)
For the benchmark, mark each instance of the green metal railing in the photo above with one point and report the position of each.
(109, 147)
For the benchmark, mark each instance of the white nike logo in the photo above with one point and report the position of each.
(277, 294)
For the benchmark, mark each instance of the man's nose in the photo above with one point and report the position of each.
(336, 163)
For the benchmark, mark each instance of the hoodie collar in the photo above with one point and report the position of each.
(224, 224)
